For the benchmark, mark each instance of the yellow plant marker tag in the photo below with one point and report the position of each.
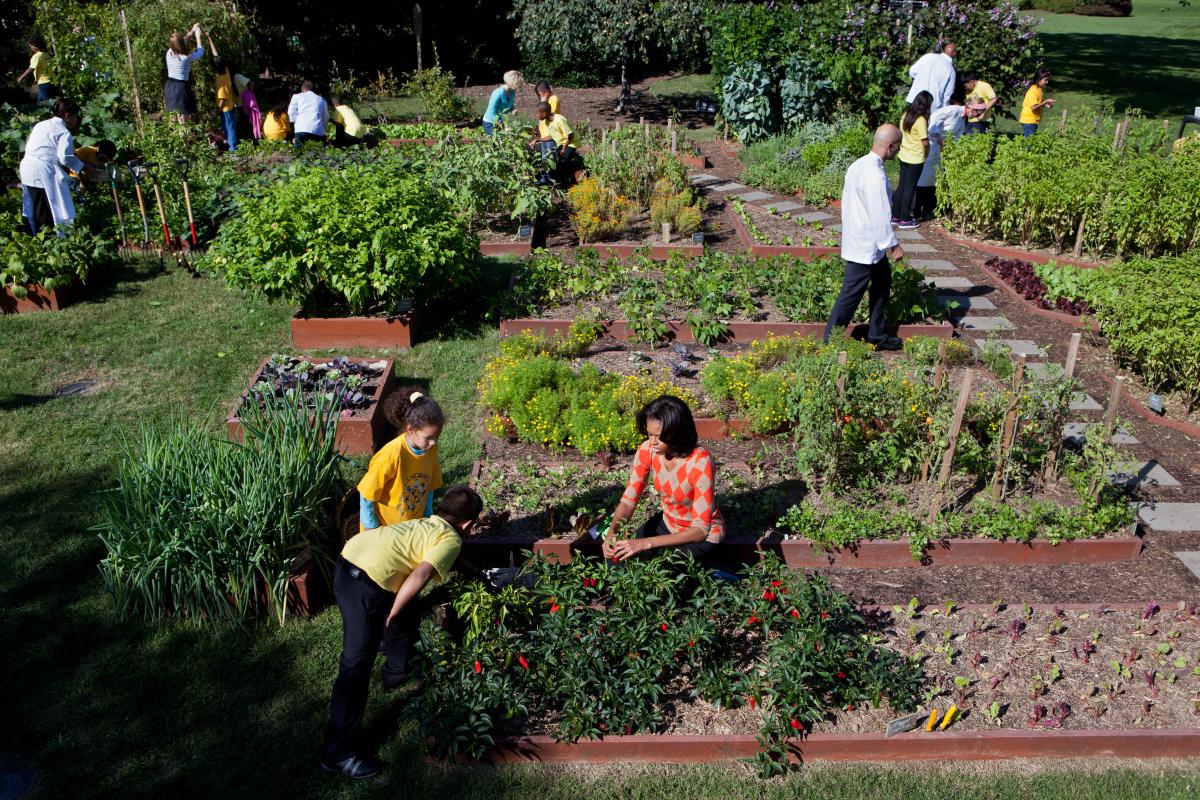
(949, 718)
(933, 718)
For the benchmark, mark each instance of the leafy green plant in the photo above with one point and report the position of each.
(811, 159)
(47, 259)
(746, 102)
(203, 528)
(435, 87)
(491, 177)
(366, 234)
(416, 130)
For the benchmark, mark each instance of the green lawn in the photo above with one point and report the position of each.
(108, 708)
(1148, 61)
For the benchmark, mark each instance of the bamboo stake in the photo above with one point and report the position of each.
(137, 102)
(1110, 420)
(1062, 122)
(964, 394)
(1008, 433)
(939, 377)
(674, 142)
(841, 380)
(1124, 132)
(1068, 373)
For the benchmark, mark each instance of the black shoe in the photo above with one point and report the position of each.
(391, 684)
(888, 343)
(356, 767)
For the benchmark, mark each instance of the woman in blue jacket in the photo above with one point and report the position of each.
(502, 100)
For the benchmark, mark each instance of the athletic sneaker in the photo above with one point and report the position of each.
(895, 221)
(909, 225)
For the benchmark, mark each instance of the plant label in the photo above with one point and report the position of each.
(525, 232)
(1156, 401)
(697, 238)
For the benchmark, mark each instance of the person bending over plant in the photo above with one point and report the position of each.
(404, 474)
(376, 583)
(554, 134)
(683, 475)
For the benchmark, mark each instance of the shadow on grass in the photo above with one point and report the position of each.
(472, 310)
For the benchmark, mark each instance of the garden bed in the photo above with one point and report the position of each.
(333, 333)
(679, 331)
(38, 298)
(360, 429)
(782, 234)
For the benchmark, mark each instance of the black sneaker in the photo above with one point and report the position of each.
(888, 343)
(356, 767)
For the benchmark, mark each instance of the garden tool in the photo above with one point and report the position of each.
(906, 724)
(111, 171)
(162, 214)
(136, 172)
(183, 164)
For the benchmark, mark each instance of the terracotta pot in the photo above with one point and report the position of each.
(359, 432)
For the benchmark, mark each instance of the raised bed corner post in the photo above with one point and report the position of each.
(964, 394)
(1110, 421)
(1008, 434)
(841, 379)
(939, 377)
(1068, 373)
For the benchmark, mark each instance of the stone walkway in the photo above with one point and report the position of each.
(980, 324)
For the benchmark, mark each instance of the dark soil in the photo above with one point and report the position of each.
(558, 233)
(785, 228)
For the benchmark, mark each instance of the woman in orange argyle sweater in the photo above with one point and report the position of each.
(684, 479)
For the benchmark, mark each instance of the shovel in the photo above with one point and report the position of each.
(162, 214)
(136, 172)
(111, 171)
(182, 164)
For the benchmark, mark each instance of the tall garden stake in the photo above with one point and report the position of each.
(1008, 433)
(939, 377)
(1068, 373)
(964, 394)
(841, 379)
(1110, 421)
(183, 165)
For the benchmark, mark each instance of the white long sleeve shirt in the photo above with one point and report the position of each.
(933, 73)
(309, 113)
(49, 153)
(180, 67)
(867, 232)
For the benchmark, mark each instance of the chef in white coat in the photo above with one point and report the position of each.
(944, 124)
(49, 153)
(934, 73)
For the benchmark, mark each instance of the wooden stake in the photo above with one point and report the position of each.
(841, 379)
(674, 142)
(939, 377)
(1009, 432)
(1110, 420)
(1068, 373)
(1062, 122)
(964, 395)
(666, 233)
(137, 102)
(1124, 132)
(1078, 249)
(603, 137)
(1116, 136)
(726, 136)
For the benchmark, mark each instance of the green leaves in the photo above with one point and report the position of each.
(47, 259)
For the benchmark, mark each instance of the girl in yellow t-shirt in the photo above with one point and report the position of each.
(1035, 102)
(914, 147)
(276, 126)
(403, 475)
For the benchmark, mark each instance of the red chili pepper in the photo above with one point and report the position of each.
(795, 613)
(824, 615)
(797, 724)
(768, 595)
(776, 583)
(523, 662)
(752, 702)
(692, 643)
(478, 668)
(841, 676)
(554, 608)
(753, 619)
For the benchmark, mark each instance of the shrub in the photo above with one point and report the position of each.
(435, 87)
(813, 159)
(1105, 8)
(679, 209)
(746, 102)
(47, 259)
(598, 212)
(369, 234)
(207, 529)
(492, 177)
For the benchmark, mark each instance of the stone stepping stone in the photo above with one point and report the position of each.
(727, 187)
(1082, 401)
(704, 177)
(1046, 371)
(785, 206)
(917, 247)
(909, 236)
(813, 216)
(933, 263)
(1144, 473)
(1016, 347)
(968, 303)
(1191, 560)
(1074, 431)
(987, 324)
(837, 228)
(751, 197)
(950, 282)
(1171, 516)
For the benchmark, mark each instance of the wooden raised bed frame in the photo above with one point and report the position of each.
(522, 249)
(759, 250)
(356, 435)
(39, 298)
(916, 746)
(738, 331)
(336, 333)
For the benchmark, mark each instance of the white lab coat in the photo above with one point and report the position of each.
(946, 123)
(933, 73)
(867, 233)
(49, 153)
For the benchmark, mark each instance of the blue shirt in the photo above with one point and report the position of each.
(501, 102)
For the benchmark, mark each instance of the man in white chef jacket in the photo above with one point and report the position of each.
(934, 73)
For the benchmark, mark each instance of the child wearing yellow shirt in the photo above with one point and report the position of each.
(404, 474)
(1035, 103)
(349, 128)
(555, 135)
(914, 147)
(39, 68)
(276, 126)
(546, 95)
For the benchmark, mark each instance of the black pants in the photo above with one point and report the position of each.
(301, 138)
(43, 217)
(924, 202)
(656, 526)
(365, 606)
(343, 139)
(858, 276)
(902, 199)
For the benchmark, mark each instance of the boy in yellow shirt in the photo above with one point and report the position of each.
(1035, 103)
(555, 135)
(981, 100)
(349, 128)
(376, 583)
(39, 67)
(546, 95)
